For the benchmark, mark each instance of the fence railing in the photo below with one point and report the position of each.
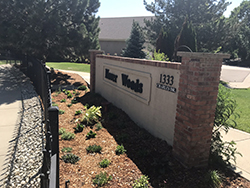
(40, 76)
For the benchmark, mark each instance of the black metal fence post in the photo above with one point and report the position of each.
(53, 121)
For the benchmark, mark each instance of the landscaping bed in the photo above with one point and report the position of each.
(145, 154)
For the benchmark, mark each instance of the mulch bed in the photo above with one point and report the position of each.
(145, 155)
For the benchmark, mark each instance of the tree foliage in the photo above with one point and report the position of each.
(203, 14)
(49, 29)
(238, 42)
(135, 43)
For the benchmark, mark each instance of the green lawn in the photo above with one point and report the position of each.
(2, 62)
(70, 66)
(242, 97)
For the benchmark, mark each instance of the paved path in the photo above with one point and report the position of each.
(237, 77)
(10, 106)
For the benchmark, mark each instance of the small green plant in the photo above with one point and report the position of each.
(104, 163)
(69, 95)
(213, 179)
(70, 158)
(61, 112)
(78, 112)
(59, 90)
(158, 56)
(77, 93)
(66, 149)
(63, 100)
(120, 150)
(101, 179)
(54, 104)
(66, 92)
(82, 87)
(94, 149)
(90, 134)
(142, 182)
(79, 128)
(62, 130)
(69, 105)
(98, 126)
(68, 136)
(74, 101)
(92, 115)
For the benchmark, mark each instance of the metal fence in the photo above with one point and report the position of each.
(40, 76)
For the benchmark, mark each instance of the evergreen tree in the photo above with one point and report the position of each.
(135, 43)
(165, 43)
(201, 13)
(54, 30)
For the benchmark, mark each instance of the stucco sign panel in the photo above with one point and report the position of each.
(135, 83)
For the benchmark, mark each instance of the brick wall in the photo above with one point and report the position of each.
(198, 89)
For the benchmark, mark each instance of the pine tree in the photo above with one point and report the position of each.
(135, 43)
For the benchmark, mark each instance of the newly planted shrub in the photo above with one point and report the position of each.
(78, 112)
(92, 115)
(82, 87)
(94, 149)
(70, 158)
(79, 128)
(142, 182)
(101, 179)
(104, 163)
(66, 149)
(63, 100)
(68, 136)
(61, 112)
(120, 150)
(222, 151)
(62, 130)
(90, 134)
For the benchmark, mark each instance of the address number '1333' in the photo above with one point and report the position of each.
(166, 79)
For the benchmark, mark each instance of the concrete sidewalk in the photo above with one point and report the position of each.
(10, 106)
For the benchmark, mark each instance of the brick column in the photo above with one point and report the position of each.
(93, 54)
(198, 89)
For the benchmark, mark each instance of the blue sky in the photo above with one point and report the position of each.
(126, 8)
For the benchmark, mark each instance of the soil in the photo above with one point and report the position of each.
(145, 154)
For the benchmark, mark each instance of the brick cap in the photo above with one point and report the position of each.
(203, 55)
(96, 51)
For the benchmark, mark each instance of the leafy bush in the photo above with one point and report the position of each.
(68, 136)
(70, 158)
(66, 149)
(94, 149)
(158, 56)
(222, 151)
(82, 87)
(104, 163)
(61, 112)
(101, 179)
(90, 134)
(78, 112)
(79, 128)
(92, 115)
(69, 95)
(120, 150)
(142, 182)
(213, 179)
(69, 105)
(62, 130)
(63, 100)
